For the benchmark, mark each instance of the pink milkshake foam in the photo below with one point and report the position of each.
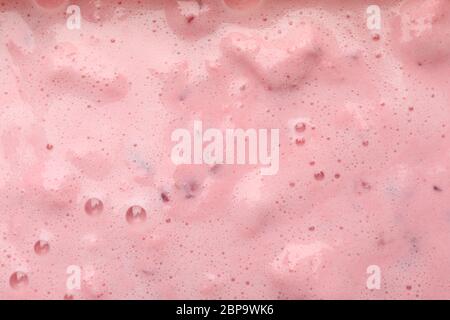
(88, 188)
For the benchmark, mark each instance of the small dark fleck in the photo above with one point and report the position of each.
(190, 19)
(165, 197)
(437, 189)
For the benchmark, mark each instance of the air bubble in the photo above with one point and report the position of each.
(93, 207)
(41, 247)
(136, 214)
(300, 127)
(18, 280)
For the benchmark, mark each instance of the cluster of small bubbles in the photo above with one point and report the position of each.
(319, 176)
(93, 207)
(300, 141)
(376, 37)
(136, 214)
(300, 127)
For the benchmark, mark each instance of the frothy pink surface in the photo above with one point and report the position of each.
(86, 177)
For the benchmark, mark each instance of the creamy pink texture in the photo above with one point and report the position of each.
(86, 177)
